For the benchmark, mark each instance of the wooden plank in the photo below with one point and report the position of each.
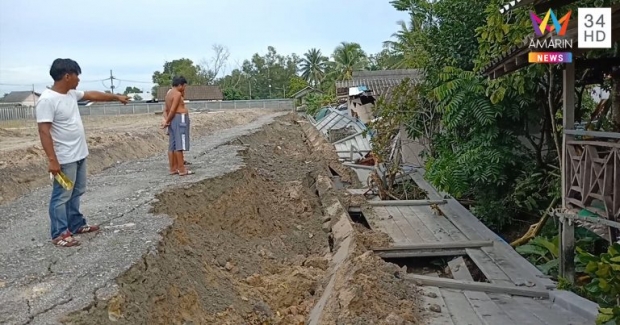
(414, 223)
(411, 232)
(477, 286)
(548, 314)
(418, 178)
(491, 271)
(386, 222)
(445, 223)
(431, 221)
(487, 310)
(432, 295)
(514, 310)
(443, 245)
(567, 249)
(422, 253)
(473, 229)
(517, 275)
(459, 270)
(406, 202)
(460, 309)
(482, 306)
(592, 220)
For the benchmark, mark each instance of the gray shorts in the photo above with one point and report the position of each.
(178, 133)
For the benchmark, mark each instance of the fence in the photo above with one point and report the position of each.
(13, 115)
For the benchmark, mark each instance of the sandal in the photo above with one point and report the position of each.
(187, 172)
(86, 229)
(174, 173)
(186, 163)
(65, 240)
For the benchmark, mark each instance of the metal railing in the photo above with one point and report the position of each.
(15, 116)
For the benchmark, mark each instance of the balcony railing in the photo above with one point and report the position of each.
(593, 173)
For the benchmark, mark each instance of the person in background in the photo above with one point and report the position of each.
(64, 141)
(171, 157)
(178, 124)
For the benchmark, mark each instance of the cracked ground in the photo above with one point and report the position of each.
(244, 241)
(40, 282)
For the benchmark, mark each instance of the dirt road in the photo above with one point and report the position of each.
(241, 242)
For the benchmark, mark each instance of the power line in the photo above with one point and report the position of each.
(134, 81)
(45, 83)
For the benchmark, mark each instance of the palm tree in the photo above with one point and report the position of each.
(313, 67)
(348, 57)
(407, 46)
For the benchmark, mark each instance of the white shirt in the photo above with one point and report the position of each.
(67, 128)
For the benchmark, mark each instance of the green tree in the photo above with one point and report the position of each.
(313, 66)
(131, 90)
(194, 74)
(348, 57)
(296, 84)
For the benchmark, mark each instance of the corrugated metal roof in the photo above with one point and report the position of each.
(335, 120)
(379, 81)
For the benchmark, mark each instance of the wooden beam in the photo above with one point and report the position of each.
(476, 286)
(352, 165)
(406, 202)
(438, 245)
(568, 110)
(592, 220)
(567, 249)
(416, 253)
(459, 270)
(598, 134)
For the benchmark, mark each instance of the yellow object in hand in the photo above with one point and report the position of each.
(64, 181)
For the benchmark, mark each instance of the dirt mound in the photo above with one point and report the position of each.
(371, 291)
(249, 248)
(23, 163)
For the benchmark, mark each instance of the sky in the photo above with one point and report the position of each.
(135, 37)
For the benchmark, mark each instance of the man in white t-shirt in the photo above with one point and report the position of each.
(64, 141)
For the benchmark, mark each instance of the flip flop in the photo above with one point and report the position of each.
(188, 172)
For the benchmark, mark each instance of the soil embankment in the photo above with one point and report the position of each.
(253, 247)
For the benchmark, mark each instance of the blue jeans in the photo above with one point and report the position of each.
(64, 206)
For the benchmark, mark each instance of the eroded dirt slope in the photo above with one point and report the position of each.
(250, 248)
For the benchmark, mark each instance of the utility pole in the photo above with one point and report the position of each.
(111, 82)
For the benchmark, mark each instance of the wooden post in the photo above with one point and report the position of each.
(568, 112)
(567, 226)
(567, 249)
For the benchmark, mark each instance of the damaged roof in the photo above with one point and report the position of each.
(379, 81)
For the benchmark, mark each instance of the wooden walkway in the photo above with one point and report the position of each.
(516, 292)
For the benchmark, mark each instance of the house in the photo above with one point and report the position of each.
(23, 98)
(366, 87)
(300, 96)
(139, 97)
(195, 93)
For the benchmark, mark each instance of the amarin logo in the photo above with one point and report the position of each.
(550, 24)
(540, 25)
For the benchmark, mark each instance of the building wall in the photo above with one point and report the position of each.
(363, 111)
(31, 100)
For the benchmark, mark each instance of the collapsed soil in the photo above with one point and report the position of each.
(111, 140)
(251, 248)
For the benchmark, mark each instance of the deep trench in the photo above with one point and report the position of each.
(244, 248)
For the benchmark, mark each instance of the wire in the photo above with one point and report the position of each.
(45, 83)
(134, 81)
